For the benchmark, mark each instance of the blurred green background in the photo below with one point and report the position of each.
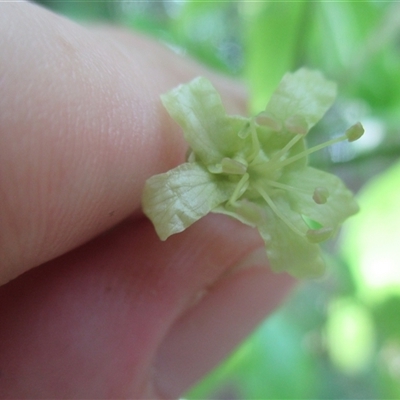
(337, 337)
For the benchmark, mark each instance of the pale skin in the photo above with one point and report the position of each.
(92, 303)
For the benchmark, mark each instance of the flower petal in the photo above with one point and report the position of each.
(178, 198)
(339, 204)
(210, 132)
(301, 100)
(287, 250)
(245, 211)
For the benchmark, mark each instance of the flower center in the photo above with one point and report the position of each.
(260, 175)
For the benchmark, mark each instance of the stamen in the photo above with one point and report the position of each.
(288, 146)
(241, 187)
(354, 132)
(321, 195)
(309, 151)
(228, 166)
(351, 134)
(319, 235)
(244, 132)
(265, 118)
(275, 209)
(255, 141)
(285, 187)
(215, 168)
(234, 167)
(297, 124)
(190, 156)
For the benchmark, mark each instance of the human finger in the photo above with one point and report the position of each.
(81, 129)
(128, 316)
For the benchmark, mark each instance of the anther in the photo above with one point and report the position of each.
(190, 156)
(245, 131)
(321, 195)
(254, 141)
(354, 132)
(235, 167)
(267, 119)
(319, 235)
(241, 187)
(296, 124)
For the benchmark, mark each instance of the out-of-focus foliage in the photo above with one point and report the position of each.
(338, 337)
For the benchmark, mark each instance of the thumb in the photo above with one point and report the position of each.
(81, 129)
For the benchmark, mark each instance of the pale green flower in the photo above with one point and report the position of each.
(255, 170)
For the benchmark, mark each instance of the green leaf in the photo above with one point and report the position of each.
(210, 132)
(178, 198)
(301, 99)
(204, 29)
(274, 43)
(339, 205)
(371, 240)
